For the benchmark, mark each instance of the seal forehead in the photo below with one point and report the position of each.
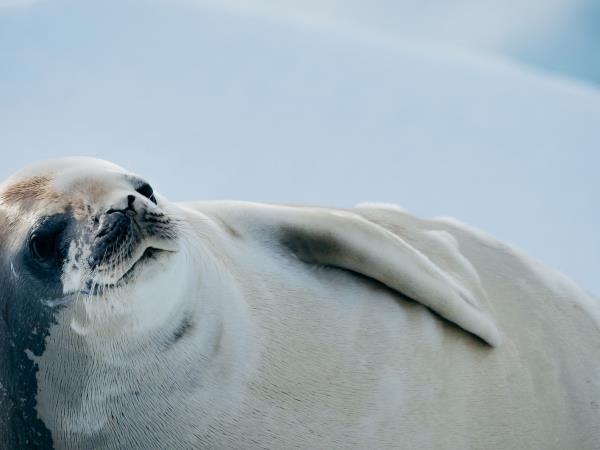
(41, 174)
(59, 184)
(33, 188)
(61, 165)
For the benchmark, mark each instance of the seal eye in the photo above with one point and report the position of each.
(147, 191)
(44, 241)
(43, 248)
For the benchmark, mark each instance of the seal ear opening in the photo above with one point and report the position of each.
(346, 240)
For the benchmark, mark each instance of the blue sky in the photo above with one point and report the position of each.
(321, 105)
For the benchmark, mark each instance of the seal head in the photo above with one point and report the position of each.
(74, 229)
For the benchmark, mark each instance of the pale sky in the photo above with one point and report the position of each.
(317, 102)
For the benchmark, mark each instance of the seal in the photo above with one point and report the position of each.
(129, 321)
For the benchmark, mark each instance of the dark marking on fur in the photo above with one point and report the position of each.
(218, 342)
(310, 246)
(183, 328)
(229, 229)
(24, 326)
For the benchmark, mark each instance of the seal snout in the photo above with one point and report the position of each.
(115, 228)
(115, 233)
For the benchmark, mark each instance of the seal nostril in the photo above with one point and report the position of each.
(130, 209)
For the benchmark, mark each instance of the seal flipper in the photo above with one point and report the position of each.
(346, 240)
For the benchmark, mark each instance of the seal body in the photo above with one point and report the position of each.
(240, 325)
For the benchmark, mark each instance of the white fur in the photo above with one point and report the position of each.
(284, 353)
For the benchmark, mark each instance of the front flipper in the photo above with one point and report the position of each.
(345, 240)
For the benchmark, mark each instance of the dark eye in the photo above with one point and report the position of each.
(43, 248)
(147, 191)
(44, 242)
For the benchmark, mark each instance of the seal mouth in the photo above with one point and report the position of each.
(149, 255)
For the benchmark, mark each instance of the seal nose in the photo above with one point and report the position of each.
(128, 210)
